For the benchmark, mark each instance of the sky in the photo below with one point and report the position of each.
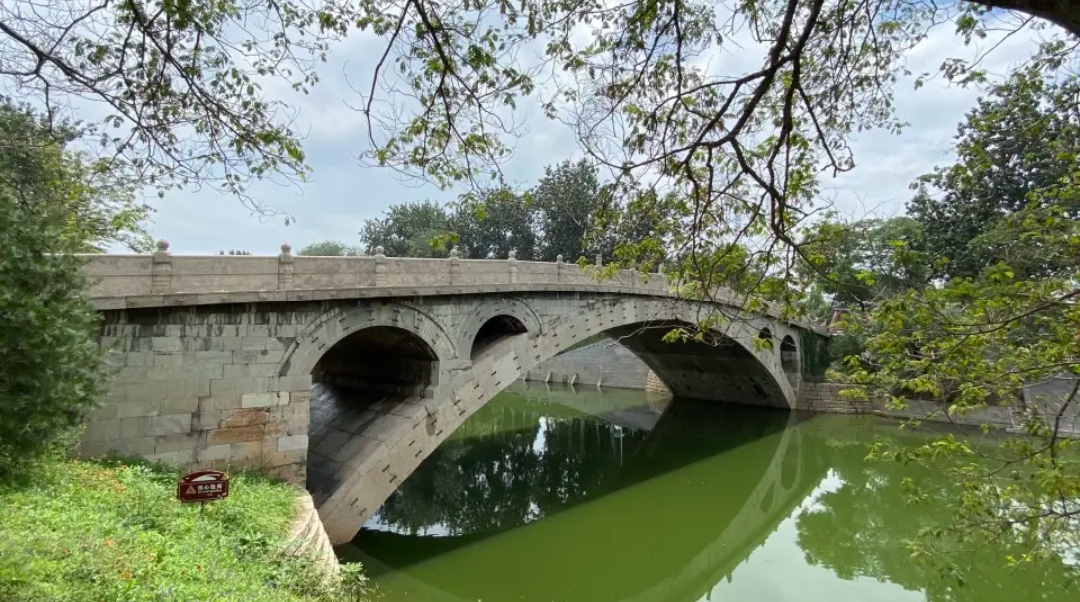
(341, 193)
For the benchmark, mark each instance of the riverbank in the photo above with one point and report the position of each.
(107, 531)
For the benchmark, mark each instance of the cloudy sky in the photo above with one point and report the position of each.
(342, 194)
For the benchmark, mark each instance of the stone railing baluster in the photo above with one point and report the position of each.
(161, 269)
(380, 266)
(285, 268)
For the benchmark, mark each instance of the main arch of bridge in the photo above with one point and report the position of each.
(415, 374)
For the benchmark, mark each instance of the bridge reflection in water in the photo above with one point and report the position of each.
(639, 500)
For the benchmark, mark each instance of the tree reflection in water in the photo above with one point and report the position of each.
(519, 460)
(864, 528)
(509, 465)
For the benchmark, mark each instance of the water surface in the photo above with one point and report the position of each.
(559, 495)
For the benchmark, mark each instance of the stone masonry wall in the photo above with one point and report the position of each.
(307, 536)
(198, 389)
(826, 398)
(605, 362)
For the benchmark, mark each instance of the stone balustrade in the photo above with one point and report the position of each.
(118, 281)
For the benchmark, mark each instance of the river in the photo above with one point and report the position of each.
(550, 494)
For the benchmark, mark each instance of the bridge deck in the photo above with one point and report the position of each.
(165, 280)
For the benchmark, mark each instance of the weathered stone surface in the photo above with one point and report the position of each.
(263, 400)
(239, 434)
(222, 373)
(293, 442)
(171, 424)
(243, 417)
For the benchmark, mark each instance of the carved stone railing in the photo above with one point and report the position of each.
(163, 279)
(141, 278)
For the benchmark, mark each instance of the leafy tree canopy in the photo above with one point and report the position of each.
(50, 207)
(867, 260)
(329, 248)
(179, 84)
(409, 230)
(1023, 136)
(92, 210)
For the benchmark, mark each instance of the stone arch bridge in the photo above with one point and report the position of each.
(216, 357)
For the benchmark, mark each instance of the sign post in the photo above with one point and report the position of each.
(203, 486)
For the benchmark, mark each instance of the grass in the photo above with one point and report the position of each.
(112, 531)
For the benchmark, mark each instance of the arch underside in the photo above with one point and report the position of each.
(721, 370)
(361, 451)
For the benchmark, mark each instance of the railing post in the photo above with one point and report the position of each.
(380, 266)
(599, 260)
(285, 268)
(161, 269)
(512, 259)
(558, 269)
(455, 266)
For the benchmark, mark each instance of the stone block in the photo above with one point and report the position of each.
(301, 396)
(253, 385)
(171, 424)
(286, 457)
(229, 343)
(181, 372)
(168, 360)
(360, 453)
(243, 417)
(170, 443)
(95, 449)
(292, 442)
(261, 343)
(215, 403)
(328, 445)
(238, 434)
(205, 420)
(102, 430)
(238, 371)
(139, 358)
(215, 452)
(141, 446)
(178, 405)
(295, 473)
(295, 382)
(263, 400)
(213, 357)
(246, 452)
(251, 356)
(138, 426)
(166, 343)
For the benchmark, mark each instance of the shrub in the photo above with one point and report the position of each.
(53, 371)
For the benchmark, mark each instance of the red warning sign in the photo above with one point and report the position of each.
(203, 486)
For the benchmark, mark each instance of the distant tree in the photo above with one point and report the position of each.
(409, 230)
(329, 248)
(491, 223)
(566, 201)
(1023, 137)
(867, 260)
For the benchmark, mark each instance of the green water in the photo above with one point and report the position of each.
(554, 495)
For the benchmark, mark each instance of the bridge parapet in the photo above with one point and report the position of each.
(121, 281)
